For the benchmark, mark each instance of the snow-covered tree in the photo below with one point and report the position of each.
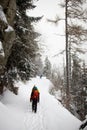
(38, 64)
(25, 46)
(79, 88)
(47, 68)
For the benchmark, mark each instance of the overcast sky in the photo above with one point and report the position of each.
(54, 43)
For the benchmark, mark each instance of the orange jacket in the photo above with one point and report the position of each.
(35, 95)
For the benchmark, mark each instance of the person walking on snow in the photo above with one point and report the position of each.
(34, 98)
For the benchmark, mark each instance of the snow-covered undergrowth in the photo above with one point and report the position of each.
(16, 113)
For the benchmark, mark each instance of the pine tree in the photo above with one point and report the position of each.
(83, 93)
(47, 68)
(25, 46)
(75, 34)
(78, 88)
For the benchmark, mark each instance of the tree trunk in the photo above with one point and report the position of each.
(67, 58)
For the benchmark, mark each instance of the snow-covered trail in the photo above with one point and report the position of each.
(51, 115)
(34, 121)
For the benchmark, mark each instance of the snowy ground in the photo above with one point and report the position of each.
(16, 113)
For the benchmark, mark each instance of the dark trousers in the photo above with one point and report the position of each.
(34, 105)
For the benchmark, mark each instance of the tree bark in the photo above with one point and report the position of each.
(67, 57)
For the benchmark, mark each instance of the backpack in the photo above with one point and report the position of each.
(35, 94)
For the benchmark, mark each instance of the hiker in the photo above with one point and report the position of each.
(40, 76)
(34, 98)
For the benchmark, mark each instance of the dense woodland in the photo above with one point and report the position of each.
(22, 59)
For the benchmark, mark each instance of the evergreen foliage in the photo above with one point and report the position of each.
(75, 33)
(76, 36)
(25, 46)
(79, 88)
(47, 68)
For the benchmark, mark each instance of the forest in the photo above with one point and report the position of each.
(20, 53)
